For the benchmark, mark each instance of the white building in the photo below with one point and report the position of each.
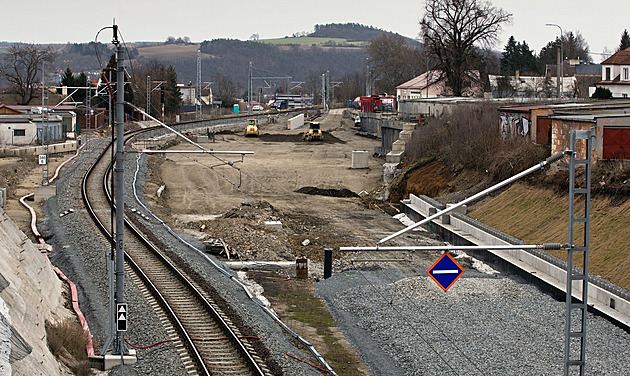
(616, 74)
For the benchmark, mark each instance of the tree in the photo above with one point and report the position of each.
(625, 40)
(452, 28)
(21, 66)
(67, 79)
(392, 62)
(226, 90)
(173, 96)
(517, 56)
(573, 47)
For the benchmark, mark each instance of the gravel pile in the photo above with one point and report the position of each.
(483, 325)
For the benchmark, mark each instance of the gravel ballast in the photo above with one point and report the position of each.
(81, 254)
(483, 325)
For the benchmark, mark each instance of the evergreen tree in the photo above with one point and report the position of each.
(517, 56)
(625, 40)
(67, 79)
(173, 96)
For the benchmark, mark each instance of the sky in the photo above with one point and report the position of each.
(38, 21)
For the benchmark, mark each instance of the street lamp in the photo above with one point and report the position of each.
(561, 62)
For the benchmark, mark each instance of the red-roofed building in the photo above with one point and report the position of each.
(616, 74)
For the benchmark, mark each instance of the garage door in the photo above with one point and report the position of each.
(616, 143)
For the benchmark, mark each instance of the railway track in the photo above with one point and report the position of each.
(213, 345)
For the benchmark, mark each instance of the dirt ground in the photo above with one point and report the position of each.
(210, 198)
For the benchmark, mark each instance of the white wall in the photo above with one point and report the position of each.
(7, 137)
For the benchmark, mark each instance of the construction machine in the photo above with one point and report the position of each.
(314, 133)
(252, 128)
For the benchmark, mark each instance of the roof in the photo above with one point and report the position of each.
(619, 58)
(422, 81)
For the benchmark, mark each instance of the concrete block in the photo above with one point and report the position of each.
(3, 197)
(360, 158)
(201, 139)
(275, 225)
(389, 171)
(409, 127)
(398, 145)
(44, 192)
(110, 361)
(296, 122)
(461, 210)
(405, 135)
(394, 156)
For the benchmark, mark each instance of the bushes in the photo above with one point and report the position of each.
(469, 138)
(67, 341)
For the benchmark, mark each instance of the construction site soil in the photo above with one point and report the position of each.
(321, 202)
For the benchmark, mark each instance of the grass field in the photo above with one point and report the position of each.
(311, 41)
(538, 215)
(169, 50)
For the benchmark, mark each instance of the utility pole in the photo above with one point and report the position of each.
(249, 90)
(198, 108)
(148, 99)
(43, 159)
(119, 345)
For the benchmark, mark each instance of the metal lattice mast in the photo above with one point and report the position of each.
(88, 105)
(324, 91)
(198, 88)
(327, 88)
(250, 90)
(45, 180)
(148, 98)
(575, 327)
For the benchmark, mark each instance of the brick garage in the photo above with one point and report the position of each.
(611, 134)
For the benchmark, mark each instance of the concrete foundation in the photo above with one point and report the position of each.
(109, 361)
(44, 192)
(534, 266)
(360, 158)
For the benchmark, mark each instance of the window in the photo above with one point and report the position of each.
(607, 73)
(626, 74)
(19, 132)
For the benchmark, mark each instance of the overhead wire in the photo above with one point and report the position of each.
(377, 290)
(421, 311)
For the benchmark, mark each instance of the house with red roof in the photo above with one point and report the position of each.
(616, 74)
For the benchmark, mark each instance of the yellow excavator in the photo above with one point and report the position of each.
(314, 133)
(252, 128)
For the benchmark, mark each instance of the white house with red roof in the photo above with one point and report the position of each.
(616, 74)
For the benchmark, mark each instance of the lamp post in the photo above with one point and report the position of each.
(561, 62)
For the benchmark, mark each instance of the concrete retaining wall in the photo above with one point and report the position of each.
(32, 294)
(65, 147)
(534, 265)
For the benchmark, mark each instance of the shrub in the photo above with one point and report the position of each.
(469, 137)
(67, 340)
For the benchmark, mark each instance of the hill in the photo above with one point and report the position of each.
(339, 48)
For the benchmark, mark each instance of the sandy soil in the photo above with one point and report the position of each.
(201, 187)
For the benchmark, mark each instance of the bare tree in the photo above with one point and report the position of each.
(452, 28)
(21, 65)
(392, 62)
(226, 90)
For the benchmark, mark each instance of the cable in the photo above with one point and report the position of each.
(265, 308)
(413, 303)
(406, 321)
(304, 361)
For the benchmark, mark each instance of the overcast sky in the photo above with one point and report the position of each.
(38, 21)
